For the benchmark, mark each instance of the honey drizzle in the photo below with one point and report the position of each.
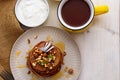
(30, 46)
(21, 66)
(48, 38)
(34, 77)
(60, 45)
(67, 76)
(17, 54)
(57, 76)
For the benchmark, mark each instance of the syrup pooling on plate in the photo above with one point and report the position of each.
(17, 54)
(60, 45)
(57, 76)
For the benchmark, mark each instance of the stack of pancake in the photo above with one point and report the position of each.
(44, 64)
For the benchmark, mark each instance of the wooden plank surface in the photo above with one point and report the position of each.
(9, 30)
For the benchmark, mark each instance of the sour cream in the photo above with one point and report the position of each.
(31, 13)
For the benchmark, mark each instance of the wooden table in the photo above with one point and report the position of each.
(99, 45)
(9, 31)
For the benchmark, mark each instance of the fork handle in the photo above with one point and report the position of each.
(5, 74)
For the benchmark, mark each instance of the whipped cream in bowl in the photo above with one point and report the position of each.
(31, 13)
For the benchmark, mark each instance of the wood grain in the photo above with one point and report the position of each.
(1, 78)
(9, 31)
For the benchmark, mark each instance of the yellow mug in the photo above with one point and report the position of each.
(97, 10)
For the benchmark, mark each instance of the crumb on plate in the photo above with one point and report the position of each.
(28, 41)
(28, 72)
(70, 71)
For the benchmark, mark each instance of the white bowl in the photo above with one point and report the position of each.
(29, 23)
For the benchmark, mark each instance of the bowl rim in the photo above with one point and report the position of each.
(30, 26)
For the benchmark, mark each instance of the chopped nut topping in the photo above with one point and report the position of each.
(49, 59)
(51, 67)
(35, 37)
(39, 58)
(40, 52)
(54, 57)
(54, 52)
(28, 41)
(34, 64)
(44, 59)
(70, 71)
(53, 64)
(35, 55)
(46, 65)
(44, 55)
(36, 50)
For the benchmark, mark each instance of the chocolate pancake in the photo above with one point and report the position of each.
(44, 64)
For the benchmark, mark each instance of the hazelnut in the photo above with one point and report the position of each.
(70, 71)
(28, 41)
(28, 72)
(44, 55)
(35, 37)
(51, 67)
(35, 55)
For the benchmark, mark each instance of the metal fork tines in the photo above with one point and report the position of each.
(48, 46)
(5, 74)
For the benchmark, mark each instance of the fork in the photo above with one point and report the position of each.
(5, 74)
(48, 46)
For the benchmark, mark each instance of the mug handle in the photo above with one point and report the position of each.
(101, 9)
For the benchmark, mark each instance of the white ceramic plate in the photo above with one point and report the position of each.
(18, 53)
